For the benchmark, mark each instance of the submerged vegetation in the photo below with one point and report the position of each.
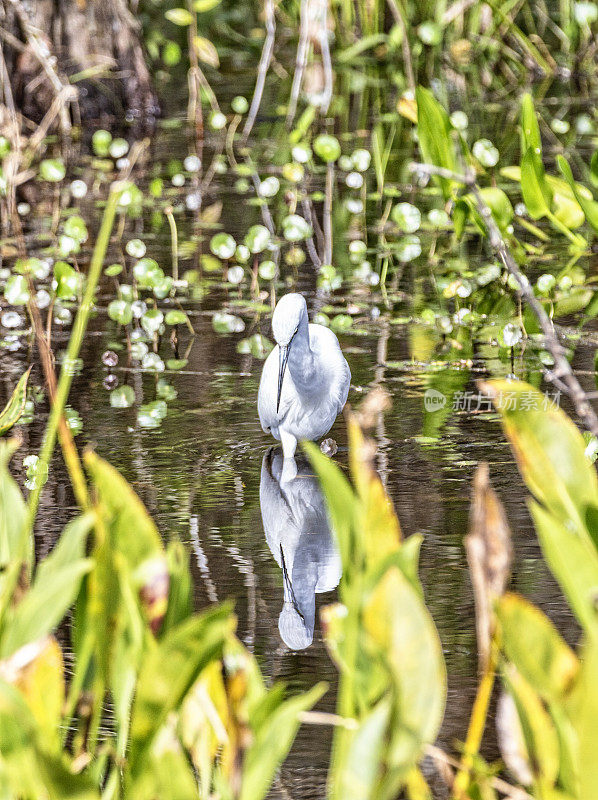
(424, 167)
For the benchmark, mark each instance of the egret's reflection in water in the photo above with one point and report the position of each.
(299, 536)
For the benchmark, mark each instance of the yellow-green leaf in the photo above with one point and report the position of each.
(168, 673)
(573, 561)
(539, 733)
(37, 671)
(179, 16)
(550, 451)
(206, 51)
(13, 410)
(586, 719)
(201, 6)
(533, 644)
(408, 643)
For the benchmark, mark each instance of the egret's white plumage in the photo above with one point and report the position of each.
(299, 537)
(305, 380)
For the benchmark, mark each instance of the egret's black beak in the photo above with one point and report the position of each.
(283, 357)
(289, 585)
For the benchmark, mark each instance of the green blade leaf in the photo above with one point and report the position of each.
(537, 195)
(273, 740)
(539, 732)
(550, 452)
(126, 513)
(44, 606)
(168, 673)
(530, 130)
(586, 719)
(360, 767)
(589, 207)
(533, 644)
(433, 127)
(13, 410)
(572, 560)
(408, 643)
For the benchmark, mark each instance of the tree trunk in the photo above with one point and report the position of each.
(94, 45)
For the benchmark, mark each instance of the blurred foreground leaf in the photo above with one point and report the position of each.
(13, 410)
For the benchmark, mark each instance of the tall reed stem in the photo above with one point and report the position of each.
(74, 346)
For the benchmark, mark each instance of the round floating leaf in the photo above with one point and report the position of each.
(341, 322)
(361, 160)
(430, 33)
(269, 187)
(295, 228)
(152, 362)
(257, 238)
(235, 275)
(408, 248)
(151, 415)
(147, 273)
(16, 291)
(100, 142)
(165, 390)
(118, 148)
(76, 228)
(171, 53)
(135, 248)
(256, 345)
(175, 317)
(439, 218)
(176, 363)
(52, 170)
(217, 123)
(485, 152)
(152, 320)
(511, 335)
(120, 311)
(239, 104)
(293, 171)
(223, 245)
(407, 217)
(68, 280)
(227, 323)
(122, 397)
(267, 270)
(163, 288)
(327, 147)
(33, 266)
(113, 270)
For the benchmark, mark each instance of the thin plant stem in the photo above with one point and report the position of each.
(477, 723)
(174, 242)
(328, 213)
(301, 60)
(74, 347)
(263, 67)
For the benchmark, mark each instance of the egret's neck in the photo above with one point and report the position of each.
(301, 361)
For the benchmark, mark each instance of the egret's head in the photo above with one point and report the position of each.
(289, 315)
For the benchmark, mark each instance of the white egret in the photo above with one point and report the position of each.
(305, 380)
(299, 537)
